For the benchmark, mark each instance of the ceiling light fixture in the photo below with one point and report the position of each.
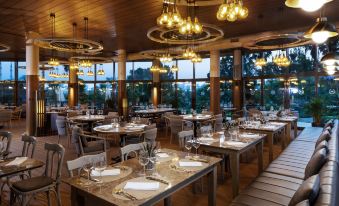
(196, 59)
(260, 62)
(80, 72)
(174, 68)
(165, 58)
(281, 59)
(189, 53)
(306, 5)
(53, 61)
(154, 69)
(101, 70)
(321, 31)
(170, 16)
(232, 10)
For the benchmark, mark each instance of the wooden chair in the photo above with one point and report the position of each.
(16, 114)
(128, 149)
(6, 117)
(85, 147)
(49, 182)
(184, 136)
(6, 140)
(79, 163)
(150, 135)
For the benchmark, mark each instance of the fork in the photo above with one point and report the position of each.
(125, 194)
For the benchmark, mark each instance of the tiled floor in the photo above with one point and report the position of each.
(184, 197)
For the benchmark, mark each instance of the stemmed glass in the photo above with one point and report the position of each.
(99, 167)
(196, 145)
(188, 146)
(143, 160)
(88, 168)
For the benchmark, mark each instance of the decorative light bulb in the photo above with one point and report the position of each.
(320, 36)
(243, 13)
(311, 5)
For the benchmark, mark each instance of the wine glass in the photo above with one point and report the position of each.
(143, 161)
(99, 167)
(196, 145)
(88, 168)
(188, 146)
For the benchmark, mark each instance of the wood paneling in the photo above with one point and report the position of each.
(123, 24)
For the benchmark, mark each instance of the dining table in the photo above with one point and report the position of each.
(107, 131)
(195, 119)
(154, 112)
(222, 143)
(16, 165)
(89, 119)
(292, 121)
(127, 187)
(270, 129)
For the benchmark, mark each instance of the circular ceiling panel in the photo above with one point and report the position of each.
(4, 47)
(195, 2)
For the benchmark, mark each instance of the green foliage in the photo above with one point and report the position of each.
(315, 108)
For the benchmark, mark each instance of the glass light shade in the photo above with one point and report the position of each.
(174, 68)
(311, 5)
(243, 13)
(330, 59)
(321, 31)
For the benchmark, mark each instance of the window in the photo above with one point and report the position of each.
(226, 66)
(169, 75)
(85, 77)
(139, 93)
(184, 96)
(185, 69)
(302, 90)
(226, 93)
(202, 69)
(249, 67)
(271, 68)
(86, 93)
(301, 59)
(273, 93)
(129, 70)
(108, 69)
(21, 93)
(56, 94)
(6, 93)
(252, 93)
(22, 71)
(168, 95)
(7, 70)
(202, 96)
(103, 94)
(328, 91)
(142, 71)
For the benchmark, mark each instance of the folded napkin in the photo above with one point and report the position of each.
(109, 172)
(236, 144)
(142, 186)
(220, 132)
(190, 164)
(207, 139)
(269, 127)
(105, 128)
(162, 155)
(249, 135)
(17, 161)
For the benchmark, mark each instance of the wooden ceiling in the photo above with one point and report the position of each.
(123, 24)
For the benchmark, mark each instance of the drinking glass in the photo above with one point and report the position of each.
(143, 161)
(99, 167)
(88, 168)
(196, 145)
(188, 146)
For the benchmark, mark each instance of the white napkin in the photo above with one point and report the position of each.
(269, 127)
(17, 161)
(207, 139)
(110, 172)
(236, 144)
(249, 135)
(142, 186)
(162, 155)
(190, 164)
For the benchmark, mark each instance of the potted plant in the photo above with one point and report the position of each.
(315, 108)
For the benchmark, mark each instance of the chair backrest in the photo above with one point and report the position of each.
(113, 114)
(6, 139)
(150, 135)
(80, 162)
(240, 120)
(61, 125)
(207, 112)
(128, 149)
(76, 131)
(72, 114)
(55, 154)
(143, 121)
(176, 125)
(183, 136)
(6, 115)
(29, 146)
(205, 129)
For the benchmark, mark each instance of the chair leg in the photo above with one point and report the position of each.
(58, 195)
(58, 139)
(11, 197)
(171, 138)
(23, 200)
(48, 197)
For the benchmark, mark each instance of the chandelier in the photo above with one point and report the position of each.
(321, 31)
(281, 60)
(188, 27)
(174, 68)
(101, 71)
(189, 53)
(231, 10)
(196, 59)
(162, 70)
(260, 62)
(170, 16)
(90, 73)
(166, 58)
(53, 61)
(80, 72)
(74, 65)
(154, 68)
(86, 63)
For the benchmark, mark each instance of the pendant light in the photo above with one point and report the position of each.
(53, 61)
(321, 31)
(306, 5)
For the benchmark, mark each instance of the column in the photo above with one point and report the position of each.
(215, 81)
(122, 92)
(237, 80)
(156, 85)
(32, 82)
(73, 88)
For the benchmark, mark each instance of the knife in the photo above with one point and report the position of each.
(157, 180)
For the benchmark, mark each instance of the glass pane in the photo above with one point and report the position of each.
(168, 93)
(202, 69)
(22, 71)
(86, 93)
(143, 93)
(301, 58)
(103, 94)
(328, 91)
(184, 96)
(252, 93)
(226, 93)
(56, 94)
(273, 93)
(226, 66)
(116, 71)
(141, 71)
(169, 75)
(271, 68)
(202, 96)
(6, 94)
(21, 93)
(108, 69)
(61, 69)
(185, 69)
(130, 94)
(129, 70)
(302, 90)
(7, 70)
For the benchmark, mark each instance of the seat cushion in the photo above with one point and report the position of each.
(324, 136)
(321, 145)
(94, 146)
(308, 190)
(33, 183)
(314, 165)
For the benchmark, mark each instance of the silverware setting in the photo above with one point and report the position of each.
(123, 193)
(158, 180)
(199, 160)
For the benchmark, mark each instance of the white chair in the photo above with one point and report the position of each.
(79, 163)
(128, 149)
(184, 136)
(150, 135)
